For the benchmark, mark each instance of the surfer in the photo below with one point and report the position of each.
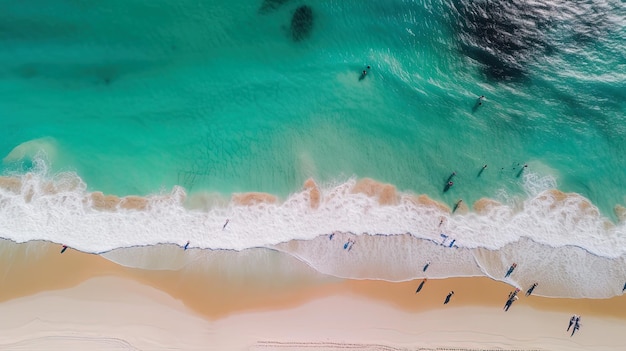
(508, 273)
(481, 170)
(530, 290)
(364, 73)
(479, 102)
(448, 297)
(419, 288)
(450, 177)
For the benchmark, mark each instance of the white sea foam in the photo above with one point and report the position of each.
(58, 208)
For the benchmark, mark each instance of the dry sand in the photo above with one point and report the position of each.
(81, 301)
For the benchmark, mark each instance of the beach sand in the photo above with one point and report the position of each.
(83, 301)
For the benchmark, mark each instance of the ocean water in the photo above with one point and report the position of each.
(183, 104)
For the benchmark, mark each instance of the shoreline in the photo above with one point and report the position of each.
(72, 288)
(50, 270)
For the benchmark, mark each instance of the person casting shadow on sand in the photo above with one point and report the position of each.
(571, 322)
(576, 325)
(448, 297)
(419, 288)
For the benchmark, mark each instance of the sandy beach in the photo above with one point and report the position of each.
(83, 301)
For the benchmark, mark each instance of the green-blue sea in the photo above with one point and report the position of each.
(137, 97)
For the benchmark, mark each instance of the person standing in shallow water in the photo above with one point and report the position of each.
(426, 266)
(530, 290)
(448, 297)
(508, 273)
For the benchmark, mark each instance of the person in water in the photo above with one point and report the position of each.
(225, 224)
(426, 266)
(480, 99)
(456, 206)
(448, 297)
(508, 273)
(364, 73)
(530, 290)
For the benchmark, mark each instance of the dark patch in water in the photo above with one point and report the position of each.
(271, 5)
(505, 36)
(500, 35)
(302, 23)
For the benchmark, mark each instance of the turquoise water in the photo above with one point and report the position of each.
(140, 96)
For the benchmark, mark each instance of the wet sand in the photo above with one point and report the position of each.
(242, 312)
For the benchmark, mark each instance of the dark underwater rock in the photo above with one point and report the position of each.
(302, 23)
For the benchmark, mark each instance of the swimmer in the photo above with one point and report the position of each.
(481, 170)
(364, 73)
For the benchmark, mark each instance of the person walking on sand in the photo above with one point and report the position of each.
(530, 290)
(512, 298)
(419, 288)
(576, 325)
(448, 297)
(571, 322)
